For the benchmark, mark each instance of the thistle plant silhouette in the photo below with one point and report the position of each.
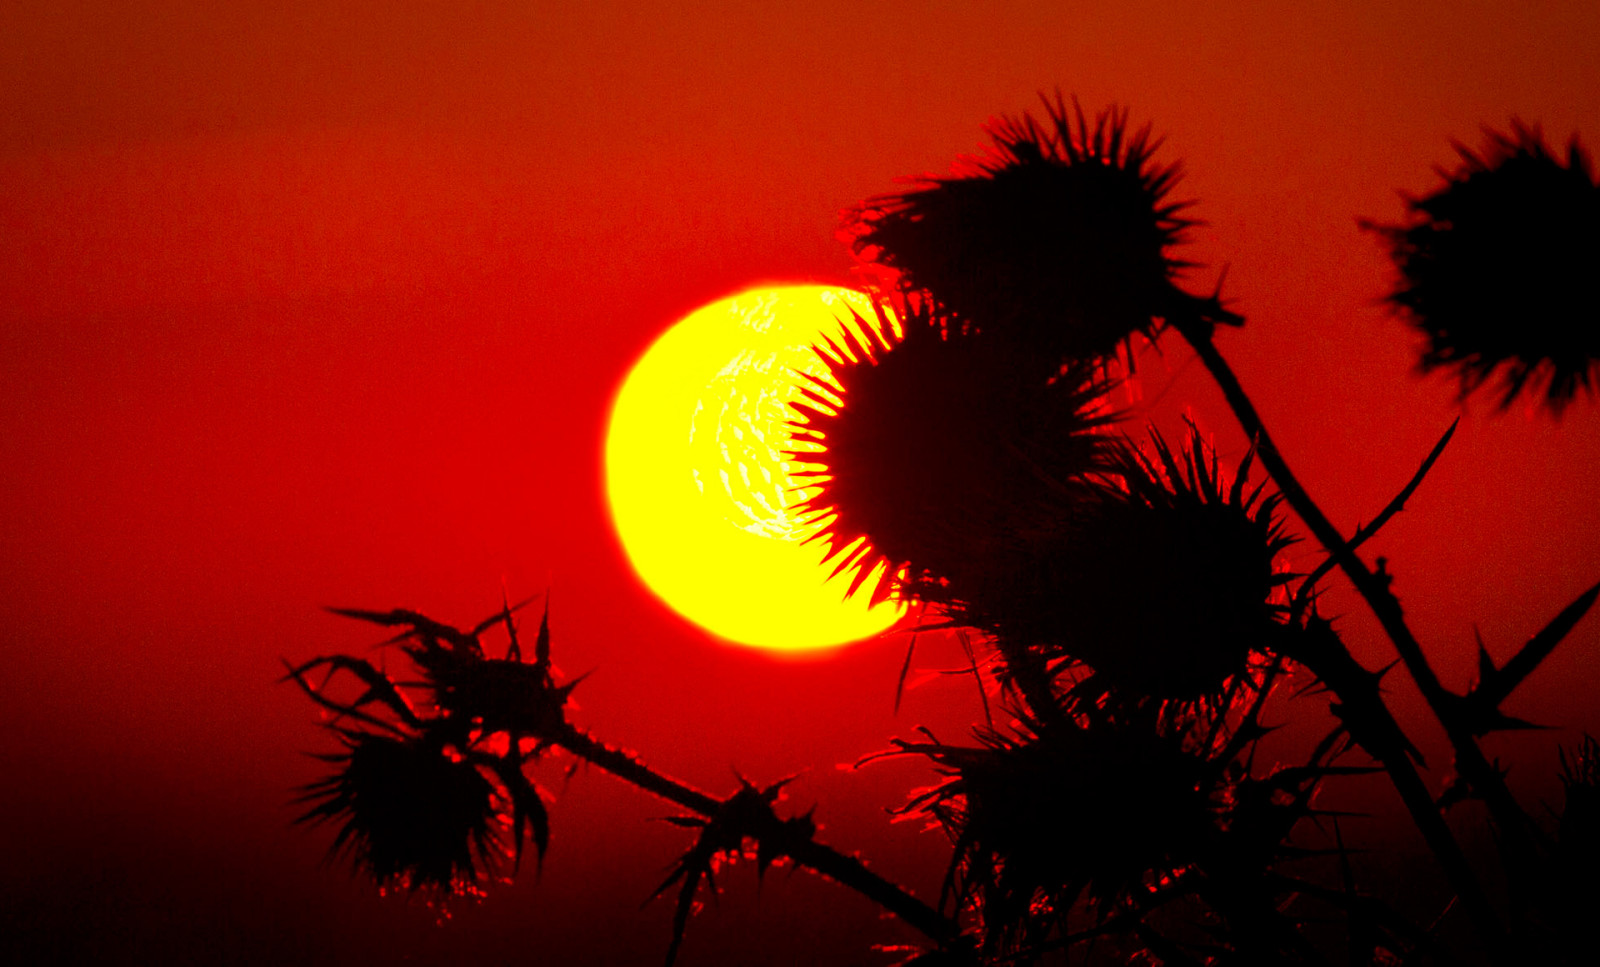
(1129, 596)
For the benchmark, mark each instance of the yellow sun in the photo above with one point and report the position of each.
(699, 487)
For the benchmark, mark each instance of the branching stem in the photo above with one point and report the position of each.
(1477, 771)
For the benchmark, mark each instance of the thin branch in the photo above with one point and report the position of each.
(339, 709)
(977, 676)
(846, 870)
(905, 669)
(1394, 506)
(1249, 727)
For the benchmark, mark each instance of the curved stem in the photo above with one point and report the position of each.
(843, 869)
(1374, 588)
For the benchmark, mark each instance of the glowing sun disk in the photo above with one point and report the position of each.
(699, 487)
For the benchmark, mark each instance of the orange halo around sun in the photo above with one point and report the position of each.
(699, 489)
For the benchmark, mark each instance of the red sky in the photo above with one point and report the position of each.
(304, 308)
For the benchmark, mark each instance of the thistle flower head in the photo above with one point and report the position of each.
(933, 452)
(1059, 238)
(412, 816)
(1114, 811)
(1039, 821)
(1497, 269)
(1164, 583)
(428, 801)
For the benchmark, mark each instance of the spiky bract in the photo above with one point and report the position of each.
(495, 694)
(1058, 239)
(1165, 582)
(1497, 269)
(412, 816)
(935, 453)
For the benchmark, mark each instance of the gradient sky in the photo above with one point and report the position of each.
(303, 306)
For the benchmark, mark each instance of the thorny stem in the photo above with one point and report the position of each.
(846, 870)
(1308, 586)
(1374, 588)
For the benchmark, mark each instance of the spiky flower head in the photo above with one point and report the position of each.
(1497, 269)
(1124, 814)
(412, 815)
(1165, 583)
(933, 452)
(1059, 238)
(429, 800)
(1039, 821)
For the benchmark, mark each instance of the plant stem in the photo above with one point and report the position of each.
(1032, 678)
(1375, 590)
(846, 870)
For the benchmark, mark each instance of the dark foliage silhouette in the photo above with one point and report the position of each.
(1127, 601)
(1497, 268)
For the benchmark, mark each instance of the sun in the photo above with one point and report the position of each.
(699, 488)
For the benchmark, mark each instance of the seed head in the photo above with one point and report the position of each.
(411, 816)
(1164, 582)
(1497, 269)
(1058, 239)
(1042, 820)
